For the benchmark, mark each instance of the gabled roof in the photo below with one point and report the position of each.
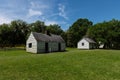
(89, 40)
(47, 38)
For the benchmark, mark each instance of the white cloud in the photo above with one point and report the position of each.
(34, 13)
(38, 5)
(50, 22)
(37, 8)
(50, 13)
(4, 19)
(62, 12)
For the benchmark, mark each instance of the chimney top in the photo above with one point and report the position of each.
(47, 33)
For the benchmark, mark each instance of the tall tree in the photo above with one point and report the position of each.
(38, 26)
(107, 33)
(77, 31)
(98, 32)
(20, 31)
(5, 35)
(55, 29)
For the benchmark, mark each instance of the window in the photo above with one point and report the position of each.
(30, 45)
(82, 44)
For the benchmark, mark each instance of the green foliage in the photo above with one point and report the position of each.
(107, 33)
(64, 36)
(54, 29)
(71, 65)
(16, 33)
(5, 38)
(38, 26)
(77, 31)
(20, 31)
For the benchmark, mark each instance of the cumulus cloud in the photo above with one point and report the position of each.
(49, 12)
(50, 22)
(37, 8)
(62, 12)
(34, 13)
(38, 5)
(4, 19)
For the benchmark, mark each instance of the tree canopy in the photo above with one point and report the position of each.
(77, 31)
(107, 32)
(55, 29)
(17, 31)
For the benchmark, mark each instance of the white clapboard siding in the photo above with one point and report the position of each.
(44, 43)
(63, 46)
(32, 40)
(86, 43)
(85, 46)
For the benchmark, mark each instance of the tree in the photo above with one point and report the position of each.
(107, 33)
(54, 29)
(77, 31)
(64, 36)
(114, 34)
(5, 35)
(20, 30)
(98, 33)
(38, 26)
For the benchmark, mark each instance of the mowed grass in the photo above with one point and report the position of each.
(70, 65)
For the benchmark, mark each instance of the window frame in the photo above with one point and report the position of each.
(83, 44)
(30, 45)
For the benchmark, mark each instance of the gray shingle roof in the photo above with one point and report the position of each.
(89, 40)
(47, 38)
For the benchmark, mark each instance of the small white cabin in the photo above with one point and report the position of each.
(42, 43)
(86, 43)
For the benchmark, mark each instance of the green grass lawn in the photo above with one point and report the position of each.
(70, 65)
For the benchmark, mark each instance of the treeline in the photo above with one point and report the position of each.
(17, 32)
(107, 32)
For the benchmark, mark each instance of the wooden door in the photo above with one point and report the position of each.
(46, 47)
(59, 46)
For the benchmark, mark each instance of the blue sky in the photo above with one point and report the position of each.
(62, 12)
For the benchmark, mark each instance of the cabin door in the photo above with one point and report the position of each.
(59, 46)
(46, 47)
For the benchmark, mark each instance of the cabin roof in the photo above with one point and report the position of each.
(89, 40)
(47, 38)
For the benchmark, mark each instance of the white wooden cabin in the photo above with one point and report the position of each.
(42, 43)
(86, 43)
